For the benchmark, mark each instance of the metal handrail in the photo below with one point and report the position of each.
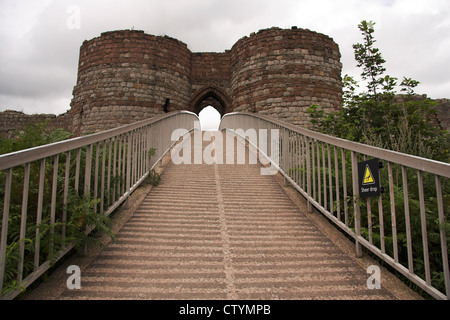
(107, 166)
(316, 165)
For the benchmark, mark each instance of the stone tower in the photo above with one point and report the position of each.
(126, 76)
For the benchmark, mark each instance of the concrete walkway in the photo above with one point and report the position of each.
(223, 232)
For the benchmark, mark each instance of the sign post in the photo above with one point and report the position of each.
(369, 178)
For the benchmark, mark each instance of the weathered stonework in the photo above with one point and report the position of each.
(11, 120)
(124, 76)
(282, 72)
(443, 113)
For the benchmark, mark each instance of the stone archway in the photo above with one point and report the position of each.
(210, 97)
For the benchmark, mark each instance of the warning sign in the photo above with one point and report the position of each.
(369, 184)
(368, 178)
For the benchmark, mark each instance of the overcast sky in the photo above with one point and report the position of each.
(40, 39)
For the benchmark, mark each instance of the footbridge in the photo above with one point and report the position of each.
(260, 209)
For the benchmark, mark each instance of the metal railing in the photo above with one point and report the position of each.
(404, 226)
(43, 188)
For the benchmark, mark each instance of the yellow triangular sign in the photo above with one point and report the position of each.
(368, 178)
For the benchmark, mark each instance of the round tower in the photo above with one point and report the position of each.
(126, 76)
(281, 72)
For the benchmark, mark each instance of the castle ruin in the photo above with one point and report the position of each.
(126, 76)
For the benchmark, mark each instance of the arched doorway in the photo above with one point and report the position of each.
(209, 119)
(210, 97)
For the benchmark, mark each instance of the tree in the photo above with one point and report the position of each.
(379, 116)
(369, 58)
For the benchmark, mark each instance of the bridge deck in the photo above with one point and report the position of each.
(221, 232)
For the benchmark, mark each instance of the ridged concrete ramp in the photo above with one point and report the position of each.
(221, 232)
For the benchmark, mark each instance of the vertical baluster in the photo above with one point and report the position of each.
(39, 213)
(423, 220)
(53, 200)
(3, 237)
(407, 220)
(304, 145)
(369, 214)
(114, 172)
(356, 203)
(330, 179)
(77, 169)
(137, 154)
(300, 161)
(148, 147)
(142, 154)
(295, 158)
(97, 158)
(133, 156)
(124, 160)
(102, 179)
(369, 219)
(130, 146)
(444, 249)
(286, 152)
(393, 217)
(87, 172)
(23, 221)
(308, 171)
(108, 177)
(381, 221)
(119, 166)
(324, 176)
(313, 165)
(65, 196)
(140, 149)
(336, 172)
(291, 157)
(319, 187)
(344, 182)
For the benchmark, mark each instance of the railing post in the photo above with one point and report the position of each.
(443, 236)
(356, 208)
(308, 172)
(285, 154)
(87, 172)
(128, 174)
(3, 237)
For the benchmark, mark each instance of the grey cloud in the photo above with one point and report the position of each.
(39, 55)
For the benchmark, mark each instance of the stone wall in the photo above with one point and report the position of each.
(443, 113)
(11, 121)
(210, 79)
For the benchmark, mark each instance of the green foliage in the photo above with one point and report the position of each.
(71, 220)
(33, 135)
(153, 178)
(369, 58)
(152, 152)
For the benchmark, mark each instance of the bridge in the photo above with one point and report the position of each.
(260, 209)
